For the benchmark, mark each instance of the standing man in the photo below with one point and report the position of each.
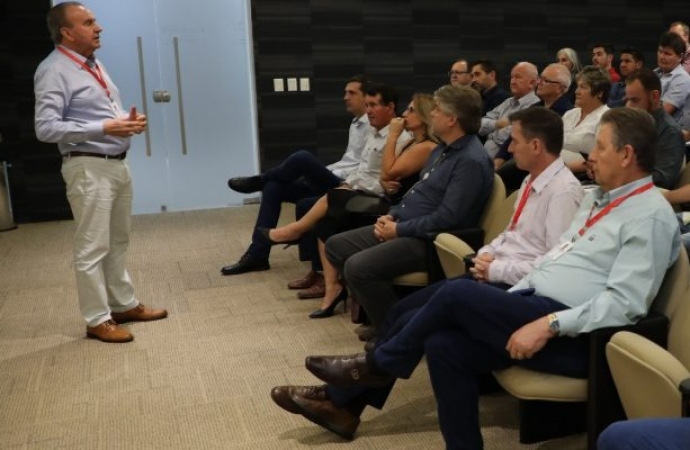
(631, 59)
(602, 56)
(459, 73)
(605, 272)
(79, 108)
(682, 30)
(302, 179)
(643, 90)
(484, 80)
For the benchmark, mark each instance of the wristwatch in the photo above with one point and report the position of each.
(554, 325)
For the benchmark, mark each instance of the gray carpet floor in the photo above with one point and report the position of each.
(201, 378)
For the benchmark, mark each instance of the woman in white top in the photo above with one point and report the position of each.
(580, 123)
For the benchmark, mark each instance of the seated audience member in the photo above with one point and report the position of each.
(602, 56)
(568, 57)
(605, 272)
(682, 30)
(485, 81)
(667, 433)
(680, 197)
(552, 88)
(675, 81)
(400, 168)
(643, 90)
(495, 126)
(451, 194)
(580, 123)
(459, 73)
(631, 59)
(300, 177)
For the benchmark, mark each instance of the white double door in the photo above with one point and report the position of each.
(189, 66)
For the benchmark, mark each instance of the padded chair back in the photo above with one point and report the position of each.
(499, 210)
(673, 301)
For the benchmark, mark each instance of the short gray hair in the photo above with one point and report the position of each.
(563, 75)
(462, 102)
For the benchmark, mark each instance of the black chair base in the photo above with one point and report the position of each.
(542, 420)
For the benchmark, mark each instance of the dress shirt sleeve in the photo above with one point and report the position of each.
(677, 91)
(489, 121)
(53, 94)
(646, 252)
(670, 151)
(560, 210)
(464, 184)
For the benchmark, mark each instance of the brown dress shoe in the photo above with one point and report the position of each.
(281, 395)
(139, 313)
(324, 413)
(317, 290)
(108, 331)
(344, 371)
(307, 281)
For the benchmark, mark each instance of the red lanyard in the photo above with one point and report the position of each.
(98, 76)
(521, 205)
(592, 220)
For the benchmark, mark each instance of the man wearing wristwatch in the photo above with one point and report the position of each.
(605, 272)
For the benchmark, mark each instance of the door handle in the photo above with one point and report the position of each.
(144, 101)
(183, 131)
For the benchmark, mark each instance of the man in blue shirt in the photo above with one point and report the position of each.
(78, 107)
(605, 272)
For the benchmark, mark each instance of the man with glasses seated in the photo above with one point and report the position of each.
(459, 74)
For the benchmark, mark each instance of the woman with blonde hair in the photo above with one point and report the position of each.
(400, 166)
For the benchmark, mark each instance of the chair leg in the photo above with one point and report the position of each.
(542, 420)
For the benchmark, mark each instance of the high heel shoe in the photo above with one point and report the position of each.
(328, 311)
(265, 232)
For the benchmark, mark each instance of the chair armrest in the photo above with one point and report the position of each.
(474, 237)
(604, 406)
(685, 397)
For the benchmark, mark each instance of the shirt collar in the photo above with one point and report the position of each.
(547, 175)
(527, 99)
(602, 198)
(361, 120)
(383, 132)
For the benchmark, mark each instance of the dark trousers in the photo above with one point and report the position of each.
(368, 266)
(299, 177)
(463, 330)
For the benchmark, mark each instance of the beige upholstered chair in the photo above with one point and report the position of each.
(451, 248)
(420, 279)
(554, 405)
(646, 375)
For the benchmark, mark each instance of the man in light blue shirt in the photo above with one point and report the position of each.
(79, 107)
(605, 271)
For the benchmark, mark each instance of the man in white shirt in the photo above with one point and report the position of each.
(495, 124)
(675, 81)
(300, 179)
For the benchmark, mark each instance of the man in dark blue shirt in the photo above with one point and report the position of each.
(451, 194)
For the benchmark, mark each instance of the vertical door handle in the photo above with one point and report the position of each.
(183, 131)
(144, 101)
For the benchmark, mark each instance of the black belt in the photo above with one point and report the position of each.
(121, 156)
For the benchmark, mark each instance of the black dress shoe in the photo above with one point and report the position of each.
(281, 395)
(324, 413)
(246, 185)
(344, 371)
(244, 265)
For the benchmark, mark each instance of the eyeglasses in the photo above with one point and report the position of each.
(545, 80)
(457, 72)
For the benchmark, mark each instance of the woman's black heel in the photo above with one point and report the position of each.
(265, 232)
(328, 312)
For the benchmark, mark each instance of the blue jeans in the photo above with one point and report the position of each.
(299, 177)
(647, 434)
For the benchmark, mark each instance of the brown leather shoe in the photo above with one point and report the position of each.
(139, 313)
(306, 281)
(344, 371)
(108, 331)
(281, 395)
(317, 290)
(324, 413)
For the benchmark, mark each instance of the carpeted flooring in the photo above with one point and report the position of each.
(201, 378)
